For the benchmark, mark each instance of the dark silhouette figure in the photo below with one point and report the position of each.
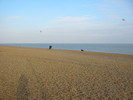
(82, 50)
(50, 47)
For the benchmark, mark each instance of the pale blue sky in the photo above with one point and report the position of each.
(66, 21)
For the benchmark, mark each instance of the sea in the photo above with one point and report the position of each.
(106, 48)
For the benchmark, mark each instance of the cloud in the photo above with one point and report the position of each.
(119, 2)
(129, 11)
(115, 5)
(81, 32)
(90, 32)
(14, 17)
(3, 27)
(72, 19)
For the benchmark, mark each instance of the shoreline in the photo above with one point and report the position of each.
(66, 50)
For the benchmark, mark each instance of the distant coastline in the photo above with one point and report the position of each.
(93, 47)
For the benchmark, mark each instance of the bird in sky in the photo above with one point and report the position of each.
(40, 31)
(123, 19)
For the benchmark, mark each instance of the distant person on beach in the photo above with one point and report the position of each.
(50, 47)
(82, 50)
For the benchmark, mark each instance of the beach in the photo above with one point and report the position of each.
(42, 74)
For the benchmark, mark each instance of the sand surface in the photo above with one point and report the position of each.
(42, 74)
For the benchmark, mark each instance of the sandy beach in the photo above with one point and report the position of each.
(43, 74)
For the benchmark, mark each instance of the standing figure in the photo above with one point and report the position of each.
(50, 47)
(82, 50)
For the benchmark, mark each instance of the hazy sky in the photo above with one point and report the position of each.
(66, 21)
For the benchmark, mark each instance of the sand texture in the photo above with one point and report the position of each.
(43, 74)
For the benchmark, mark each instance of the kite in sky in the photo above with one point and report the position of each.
(123, 19)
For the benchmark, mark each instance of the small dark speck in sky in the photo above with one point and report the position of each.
(123, 19)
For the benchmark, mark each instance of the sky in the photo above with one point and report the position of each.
(66, 21)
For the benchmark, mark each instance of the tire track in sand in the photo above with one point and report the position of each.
(22, 90)
(43, 91)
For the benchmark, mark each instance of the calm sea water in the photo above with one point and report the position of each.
(107, 48)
